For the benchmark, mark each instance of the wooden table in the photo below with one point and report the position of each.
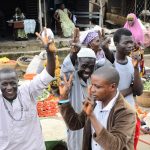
(15, 25)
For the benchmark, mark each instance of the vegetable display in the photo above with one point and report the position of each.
(147, 86)
(4, 60)
(47, 105)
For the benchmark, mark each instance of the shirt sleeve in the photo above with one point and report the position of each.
(73, 120)
(39, 83)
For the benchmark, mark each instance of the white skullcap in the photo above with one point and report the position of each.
(86, 52)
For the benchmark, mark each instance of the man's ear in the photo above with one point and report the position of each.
(113, 86)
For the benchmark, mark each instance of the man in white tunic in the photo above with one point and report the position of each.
(19, 123)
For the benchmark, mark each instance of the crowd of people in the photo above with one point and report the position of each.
(97, 93)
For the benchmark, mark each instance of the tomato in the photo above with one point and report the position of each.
(41, 114)
(47, 107)
(46, 103)
(40, 104)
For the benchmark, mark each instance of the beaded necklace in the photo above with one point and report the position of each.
(9, 113)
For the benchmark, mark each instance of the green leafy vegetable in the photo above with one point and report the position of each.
(147, 86)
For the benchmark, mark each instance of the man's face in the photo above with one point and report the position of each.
(95, 44)
(125, 45)
(101, 90)
(86, 67)
(9, 85)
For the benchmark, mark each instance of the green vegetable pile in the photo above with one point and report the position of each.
(147, 85)
(43, 95)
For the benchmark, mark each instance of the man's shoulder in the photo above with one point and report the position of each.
(122, 104)
(128, 67)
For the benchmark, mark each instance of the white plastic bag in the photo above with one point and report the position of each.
(37, 64)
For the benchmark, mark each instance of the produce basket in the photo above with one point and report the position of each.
(144, 99)
(10, 64)
(24, 61)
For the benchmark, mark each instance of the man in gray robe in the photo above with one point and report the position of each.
(82, 71)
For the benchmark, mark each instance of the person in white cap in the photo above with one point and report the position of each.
(86, 59)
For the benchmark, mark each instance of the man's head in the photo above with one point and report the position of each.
(86, 62)
(8, 83)
(104, 83)
(123, 41)
(93, 41)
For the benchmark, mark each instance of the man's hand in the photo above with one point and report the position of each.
(136, 57)
(65, 86)
(88, 106)
(75, 44)
(106, 42)
(47, 41)
(75, 47)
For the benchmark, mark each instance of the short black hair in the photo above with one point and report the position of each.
(119, 33)
(110, 74)
(7, 71)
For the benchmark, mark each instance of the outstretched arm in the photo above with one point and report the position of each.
(50, 53)
(42, 80)
(73, 120)
(75, 46)
(109, 54)
(137, 83)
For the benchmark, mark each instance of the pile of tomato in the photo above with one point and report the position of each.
(48, 107)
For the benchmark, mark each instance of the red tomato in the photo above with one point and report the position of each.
(46, 102)
(42, 114)
(40, 104)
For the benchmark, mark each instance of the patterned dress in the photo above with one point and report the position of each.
(66, 24)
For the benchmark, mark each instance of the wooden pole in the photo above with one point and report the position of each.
(45, 14)
(100, 5)
(135, 6)
(145, 10)
(40, 15)
(101, 14)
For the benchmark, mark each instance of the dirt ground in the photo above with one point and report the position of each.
(147, 60)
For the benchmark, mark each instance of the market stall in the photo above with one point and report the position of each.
(53, 126)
